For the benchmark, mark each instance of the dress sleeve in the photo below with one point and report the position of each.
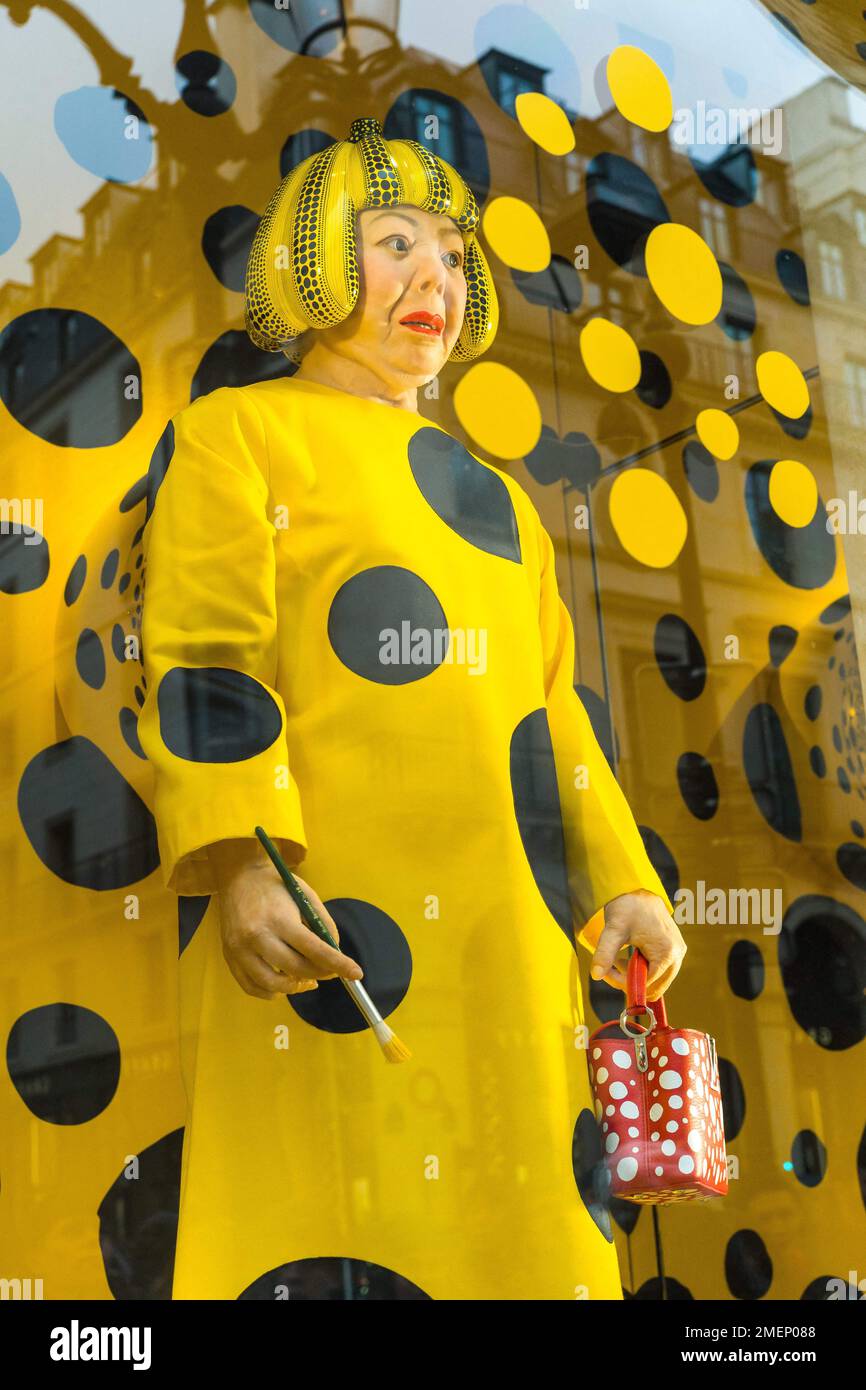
(212, 725)
(605, 854)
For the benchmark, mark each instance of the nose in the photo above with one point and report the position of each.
(430, 273)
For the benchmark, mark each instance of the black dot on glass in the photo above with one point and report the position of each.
(745, 970)
(839, 608)
(557, 287)
(468, 155)
(737, 317)
(387, 625)
(301, 144)
(234, 360)
(822, 962)
(138, 1223)
(733, 1098)
(698, 786)
(830, 1286)
(624, 206)
(90, 659)
(226, 242)
(680, 657)
(769, 771)
(330, 1278)
(467, 495)
(701, 470)
(373, 939)
(602, 724)
(857, 829)
(654, 387)
(125, 580)
(53, 351)
(662, 859)
(798, 427)
(651, 1290)
(817, 761)
(535, 792)
(64, 1062)
(574, 459)
(85, 822)
(808, 1157)
(591, 1174)
(791, 270)
(842, 779)
(624, 1213)
(803, 556)
(748, 1267)
(212, 714)
(205, 82)
(731, 175)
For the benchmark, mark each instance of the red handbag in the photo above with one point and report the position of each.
(657, 1102)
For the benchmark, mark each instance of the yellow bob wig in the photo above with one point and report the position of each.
(302, 271)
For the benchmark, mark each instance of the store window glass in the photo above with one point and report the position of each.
(633, 496)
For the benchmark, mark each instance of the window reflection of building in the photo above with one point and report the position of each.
(714, 228)
(832, 269)
(855, 382)
(507, 76)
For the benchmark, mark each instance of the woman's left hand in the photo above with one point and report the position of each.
(639, 919)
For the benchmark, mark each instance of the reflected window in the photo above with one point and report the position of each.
(444, 113)
(615, 296)
(832, 269)
(855, 386)
(860, 225)
(572, 164)
(714, 228)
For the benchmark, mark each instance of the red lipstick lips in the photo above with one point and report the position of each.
(422, 322)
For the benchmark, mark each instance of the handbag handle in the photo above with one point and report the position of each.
(636, 1000)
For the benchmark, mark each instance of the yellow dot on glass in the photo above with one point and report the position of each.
(639, 88)
(718, 433)
(684, 273)
(517, 235)
(782, 384)
(497, 408)
(545, 122)
(610, 355)
(793, 492)
(647, 517)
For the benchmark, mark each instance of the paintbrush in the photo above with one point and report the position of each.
(393, 1049)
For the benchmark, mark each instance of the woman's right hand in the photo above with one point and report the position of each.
(267, 945)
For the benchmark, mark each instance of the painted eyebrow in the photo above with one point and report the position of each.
(414, 220)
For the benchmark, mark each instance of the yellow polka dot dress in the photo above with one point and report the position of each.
(352, 636)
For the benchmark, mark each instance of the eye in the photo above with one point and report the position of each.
(397, 236)
(458, 259)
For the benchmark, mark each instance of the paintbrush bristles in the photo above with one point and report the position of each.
(394, 1050)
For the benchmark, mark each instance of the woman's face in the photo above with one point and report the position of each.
(411, 265)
